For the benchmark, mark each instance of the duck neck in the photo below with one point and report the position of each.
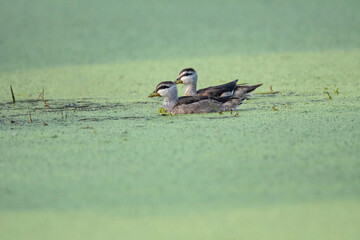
(170, 102)
(190, 89)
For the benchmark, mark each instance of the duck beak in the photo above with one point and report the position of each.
(178, 81)
(154, 94)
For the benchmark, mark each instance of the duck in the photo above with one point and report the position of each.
(188, 77)
(193, 104)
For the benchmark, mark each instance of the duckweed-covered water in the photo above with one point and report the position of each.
(100, 162)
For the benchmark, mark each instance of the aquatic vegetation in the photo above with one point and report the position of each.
(12, 94)
(329, 96)
(162, 111)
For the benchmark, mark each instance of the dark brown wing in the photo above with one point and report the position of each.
(192, 99)
(216, 91)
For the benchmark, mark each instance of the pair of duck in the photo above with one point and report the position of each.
(219, 98)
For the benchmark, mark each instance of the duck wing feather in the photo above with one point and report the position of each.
(217, 91)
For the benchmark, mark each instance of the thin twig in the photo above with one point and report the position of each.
(266, 93)
(30, 115)
(12, 94)
(41, 95)
(271, 91)
(46, 104)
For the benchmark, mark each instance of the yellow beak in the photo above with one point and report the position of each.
(154, 94)
(178, 81)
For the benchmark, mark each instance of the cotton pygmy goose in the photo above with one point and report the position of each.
(188, 77)
(193, 104)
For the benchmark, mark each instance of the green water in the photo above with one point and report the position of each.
(101, 163)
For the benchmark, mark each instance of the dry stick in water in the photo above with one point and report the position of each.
(42, 97)
(12, 94)
(271, 91)
(30, 115)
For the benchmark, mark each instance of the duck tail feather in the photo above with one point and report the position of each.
(240, 90)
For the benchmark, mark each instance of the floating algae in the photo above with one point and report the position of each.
(162, 111)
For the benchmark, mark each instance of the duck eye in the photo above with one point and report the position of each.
(162, 87)
(186, 74)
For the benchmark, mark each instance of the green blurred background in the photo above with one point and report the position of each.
(37, 34)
